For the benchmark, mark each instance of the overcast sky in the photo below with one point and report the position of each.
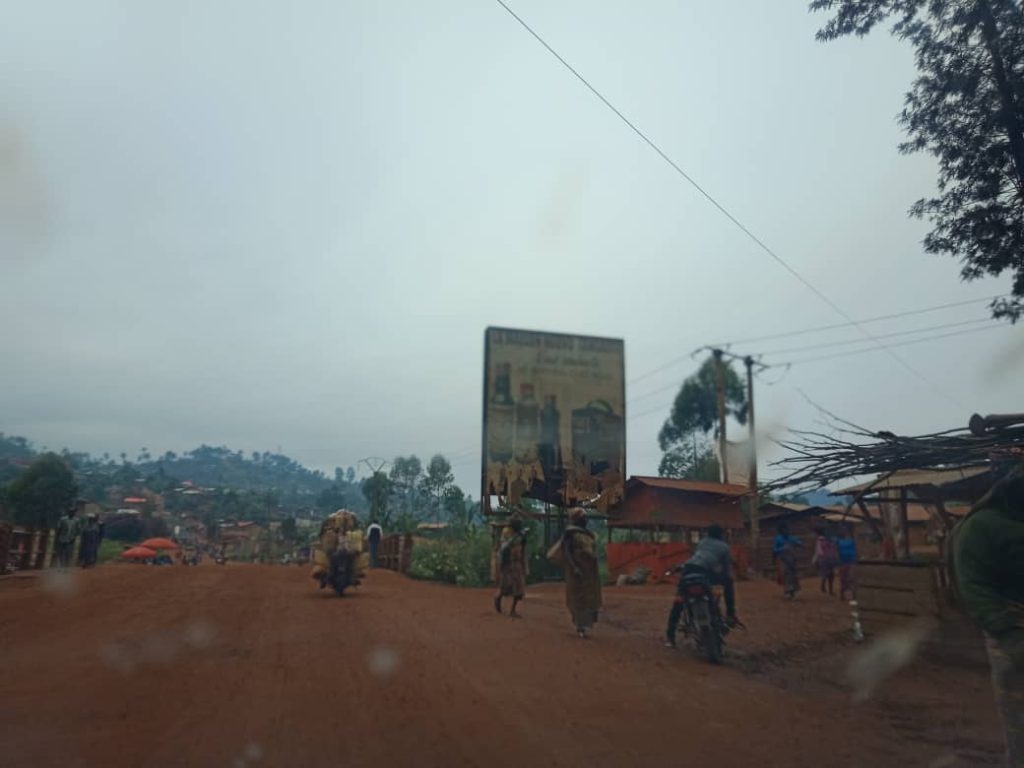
(274, 225)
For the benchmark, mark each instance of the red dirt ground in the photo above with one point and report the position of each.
(250, 665)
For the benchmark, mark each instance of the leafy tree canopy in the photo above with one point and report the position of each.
(40, 494)
(377, 490)
(683, 438)
(966, 108)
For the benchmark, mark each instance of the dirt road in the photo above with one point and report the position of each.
(250, 665)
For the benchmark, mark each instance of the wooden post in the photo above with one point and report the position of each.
(904, 526)
(875, 526)
(720, 392)
(755, 512)
(947, 521)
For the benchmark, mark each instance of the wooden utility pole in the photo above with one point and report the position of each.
(755, 523)
(720, 387)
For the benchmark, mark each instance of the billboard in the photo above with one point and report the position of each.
(554, 420)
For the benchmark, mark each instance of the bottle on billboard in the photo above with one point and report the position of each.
(527, 425)
(549, 448)
(501, 416)
(597, 437)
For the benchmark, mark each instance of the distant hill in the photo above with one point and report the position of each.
(271, 475)
(823, 498)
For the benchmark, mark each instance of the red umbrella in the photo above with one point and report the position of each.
(138, 553)
(159, 543)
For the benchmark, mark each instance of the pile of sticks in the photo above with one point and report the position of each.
(817, 459)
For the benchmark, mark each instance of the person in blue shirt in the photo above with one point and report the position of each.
(784, 554)
(847, 546)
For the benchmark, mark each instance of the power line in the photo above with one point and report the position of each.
(661, 408)
(816, 329)
(895, 334)
(724, 211)
(835, 326)
(899, 344)
(645, 395)
(830, 344)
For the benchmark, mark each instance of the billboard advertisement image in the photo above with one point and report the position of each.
(554, 418)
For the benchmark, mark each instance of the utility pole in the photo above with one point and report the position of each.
(374, 463)
(720, 387)
(755, 512)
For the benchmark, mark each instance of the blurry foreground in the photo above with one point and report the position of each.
(251, 665)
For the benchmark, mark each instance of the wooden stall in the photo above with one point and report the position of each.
(913, 510)
(893, 594)
(802, 520)
(395, 552)
(25, 549)
(666, 517)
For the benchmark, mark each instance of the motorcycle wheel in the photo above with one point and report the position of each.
(711, 642)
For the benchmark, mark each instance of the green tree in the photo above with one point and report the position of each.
(456, 510)
(966, 108)
(289, 529)
(436, 482)
(683, 437)
(15, 454)
(42, 492)
(696, 461)
(377, 490)
(331, 499)
(406, 472)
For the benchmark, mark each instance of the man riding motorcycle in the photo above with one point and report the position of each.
(710, 559)
(338, 560)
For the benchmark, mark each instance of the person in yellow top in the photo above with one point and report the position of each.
(512, 565)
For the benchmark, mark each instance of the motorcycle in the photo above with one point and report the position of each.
(702, 616)
(338, 560)
(342, 571)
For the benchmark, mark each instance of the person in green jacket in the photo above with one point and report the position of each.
(67, 533)
(988, 560)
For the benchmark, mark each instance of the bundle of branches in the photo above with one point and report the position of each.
(818, 459)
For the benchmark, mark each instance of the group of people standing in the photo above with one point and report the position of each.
(832, 552)
(74, 526)
(575, 552)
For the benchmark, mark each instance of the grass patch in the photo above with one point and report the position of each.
(110, 550)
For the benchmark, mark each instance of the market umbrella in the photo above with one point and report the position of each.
(159, 543)
(138, 553)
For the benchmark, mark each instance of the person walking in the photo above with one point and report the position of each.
(67, 532)
(512, 565)
(988, 564)
(826, 558)
(846, 547)
(784, 553)
(373, 535)
(582, 579)
(92, 532)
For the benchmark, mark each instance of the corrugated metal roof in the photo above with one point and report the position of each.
(908, 478)
(694, 486)
(917, 512)
(787, 505)
(776, 510)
